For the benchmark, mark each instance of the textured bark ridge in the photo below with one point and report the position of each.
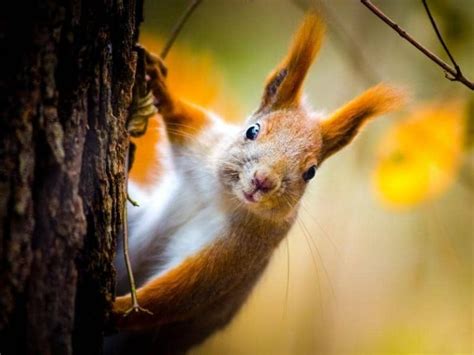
(66, 81)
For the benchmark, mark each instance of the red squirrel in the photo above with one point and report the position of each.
(227, 196)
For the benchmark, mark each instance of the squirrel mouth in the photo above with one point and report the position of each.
(250, 197)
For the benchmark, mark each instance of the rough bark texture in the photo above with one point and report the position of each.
(66, 81)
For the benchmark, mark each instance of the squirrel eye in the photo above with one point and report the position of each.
(252, 131)
(309, 174)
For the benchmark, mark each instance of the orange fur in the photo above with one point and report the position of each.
(204, 291)
(343, 125)
(283, 86)
(184, 120)
(147, 160)
(165, 297)
(198, 284)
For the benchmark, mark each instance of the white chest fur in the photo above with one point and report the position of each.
(176, 219)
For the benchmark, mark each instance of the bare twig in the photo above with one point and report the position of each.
(451, 74)
(132, 201)
(135, 307)
(435, 27)
(179, 26)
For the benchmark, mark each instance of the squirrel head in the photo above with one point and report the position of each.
(269, 164)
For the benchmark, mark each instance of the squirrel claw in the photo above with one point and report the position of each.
(155, 78)
(142, 106)
(154, 61)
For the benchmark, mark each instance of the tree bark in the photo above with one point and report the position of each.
(66, 82)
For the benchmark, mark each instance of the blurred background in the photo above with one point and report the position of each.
(381, 259)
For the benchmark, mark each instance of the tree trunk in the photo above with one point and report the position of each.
(66, 81)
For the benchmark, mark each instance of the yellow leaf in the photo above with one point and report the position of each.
(419, 157)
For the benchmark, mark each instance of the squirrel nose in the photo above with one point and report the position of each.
(263, 181)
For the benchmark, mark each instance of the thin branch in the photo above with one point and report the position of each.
(451, 74)
(435, 27)
(135, 307)
(179, 26)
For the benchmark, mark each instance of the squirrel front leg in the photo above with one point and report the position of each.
(174, 296)
(184, 120)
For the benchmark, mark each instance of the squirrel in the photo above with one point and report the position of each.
(227, 196)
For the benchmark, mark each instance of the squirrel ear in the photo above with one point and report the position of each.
(343, 125)
(283, 86)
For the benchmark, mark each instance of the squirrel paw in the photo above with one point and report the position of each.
(154, 63)
(156, 72)
(143, 104)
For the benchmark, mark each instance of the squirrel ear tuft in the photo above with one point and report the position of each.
(343, 125)
(283, 86)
